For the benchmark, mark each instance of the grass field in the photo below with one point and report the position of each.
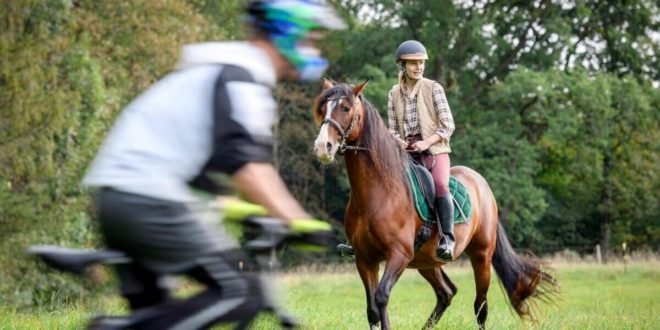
(592, 297)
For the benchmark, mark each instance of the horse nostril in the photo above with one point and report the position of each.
(329, 146)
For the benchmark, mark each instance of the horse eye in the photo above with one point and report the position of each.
(345, 109)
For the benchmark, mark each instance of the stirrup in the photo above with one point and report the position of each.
(445, 251)
(345, 250)
(444, 255)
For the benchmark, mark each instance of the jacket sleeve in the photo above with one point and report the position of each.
(244, 113)
(445, 119)
(392, 122)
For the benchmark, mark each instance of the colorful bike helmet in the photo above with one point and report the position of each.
(288, 24)
(411, 50)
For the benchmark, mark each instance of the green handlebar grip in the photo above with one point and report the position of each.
(238, 210)
(309, 226)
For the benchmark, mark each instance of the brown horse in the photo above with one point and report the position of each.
(381, 220)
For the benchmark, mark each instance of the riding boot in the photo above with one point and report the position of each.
(444, 209)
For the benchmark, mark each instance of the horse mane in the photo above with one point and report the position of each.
(385, 153)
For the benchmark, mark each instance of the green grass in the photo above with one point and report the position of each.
(592, 297)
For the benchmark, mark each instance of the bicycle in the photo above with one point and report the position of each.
(261, 236)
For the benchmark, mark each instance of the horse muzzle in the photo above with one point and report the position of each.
(325, 150)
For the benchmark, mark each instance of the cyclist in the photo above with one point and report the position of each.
(214, 113)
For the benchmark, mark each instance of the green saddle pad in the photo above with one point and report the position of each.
(460, 196)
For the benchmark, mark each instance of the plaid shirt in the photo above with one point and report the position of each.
(411, 120)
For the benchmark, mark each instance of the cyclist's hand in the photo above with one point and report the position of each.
(305, 233)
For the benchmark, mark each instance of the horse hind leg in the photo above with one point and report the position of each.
(481, 266)
(449, 283)
(444, 292)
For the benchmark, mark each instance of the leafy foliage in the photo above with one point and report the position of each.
(556, 104)
(67, 68)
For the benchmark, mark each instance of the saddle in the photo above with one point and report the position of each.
(423, 191)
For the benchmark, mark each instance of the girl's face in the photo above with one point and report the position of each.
(414, 69)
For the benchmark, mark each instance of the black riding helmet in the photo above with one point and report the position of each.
(411, 50)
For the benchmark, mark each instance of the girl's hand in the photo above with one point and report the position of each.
(403, 144)
(420, 146)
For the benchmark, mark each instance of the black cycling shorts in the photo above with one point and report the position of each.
(162, 236)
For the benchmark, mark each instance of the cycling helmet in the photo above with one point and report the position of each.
(288, 23)
(411, 50)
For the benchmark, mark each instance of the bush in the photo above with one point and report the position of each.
(67, 69)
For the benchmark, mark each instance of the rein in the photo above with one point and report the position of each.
(343, 145)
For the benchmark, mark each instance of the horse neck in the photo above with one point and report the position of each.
(368, 180)
(362, 175)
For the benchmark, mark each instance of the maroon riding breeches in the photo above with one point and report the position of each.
(438, 165)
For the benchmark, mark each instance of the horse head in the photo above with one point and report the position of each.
(339, 114)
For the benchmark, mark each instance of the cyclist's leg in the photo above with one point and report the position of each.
(232, 295)
(140, 286)
(166, 238)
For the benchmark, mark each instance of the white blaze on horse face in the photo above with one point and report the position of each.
(323, 139)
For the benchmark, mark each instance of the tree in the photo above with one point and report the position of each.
(67, 69)
(597, 145)
(492, 57)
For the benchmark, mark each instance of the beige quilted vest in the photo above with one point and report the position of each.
(428, 118)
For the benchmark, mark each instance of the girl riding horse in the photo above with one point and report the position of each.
(381, 219)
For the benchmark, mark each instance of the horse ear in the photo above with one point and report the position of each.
(327, 84)
(358, 89)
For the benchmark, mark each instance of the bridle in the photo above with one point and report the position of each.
(343, 146)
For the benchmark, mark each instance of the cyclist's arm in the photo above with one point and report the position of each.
(261, 184)
(244, 114)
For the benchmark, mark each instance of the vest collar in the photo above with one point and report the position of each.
(404, 91)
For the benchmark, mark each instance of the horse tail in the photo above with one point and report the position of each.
(524, 277)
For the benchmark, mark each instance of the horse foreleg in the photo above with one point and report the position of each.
(444, 292)
(394, 267)
(481, 266)
(369, 274)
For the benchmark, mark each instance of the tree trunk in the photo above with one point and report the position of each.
(605, 239)
(605, 214)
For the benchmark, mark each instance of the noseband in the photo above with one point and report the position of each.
(343, 146)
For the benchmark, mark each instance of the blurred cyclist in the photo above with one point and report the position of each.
(214, 113)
